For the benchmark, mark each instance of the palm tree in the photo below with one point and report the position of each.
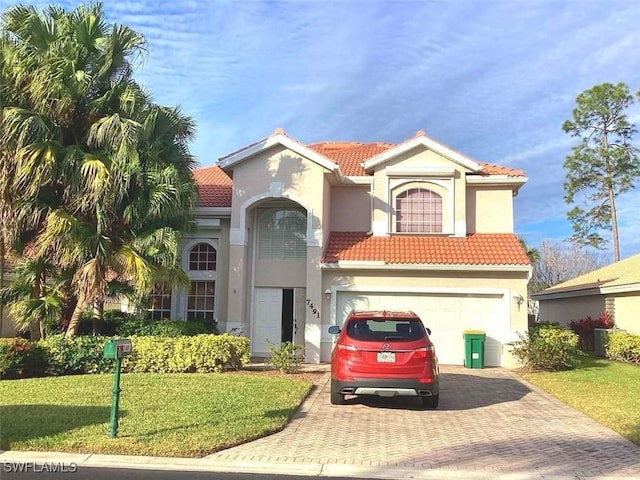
(104, 174)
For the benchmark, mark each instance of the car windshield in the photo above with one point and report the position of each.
(381, 329)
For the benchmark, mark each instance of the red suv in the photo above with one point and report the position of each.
(386, 354)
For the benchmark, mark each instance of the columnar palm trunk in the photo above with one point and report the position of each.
(74, 323)
(98, 317)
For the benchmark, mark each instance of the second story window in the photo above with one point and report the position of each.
(282, 234)
(202, 257)
(418, 210)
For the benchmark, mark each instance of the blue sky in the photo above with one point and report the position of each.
(494, 80)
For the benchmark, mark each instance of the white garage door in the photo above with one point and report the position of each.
(446, 315)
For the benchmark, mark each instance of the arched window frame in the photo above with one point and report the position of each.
(193, 304)
(203, 254)
(442, 188)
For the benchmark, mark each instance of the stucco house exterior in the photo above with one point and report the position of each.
(615, 288)
(291, 237)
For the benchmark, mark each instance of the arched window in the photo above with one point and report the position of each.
(418, 210)
(202, 257)
(282, 233)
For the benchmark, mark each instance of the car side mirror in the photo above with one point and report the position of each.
(428, 330)
(334, 329)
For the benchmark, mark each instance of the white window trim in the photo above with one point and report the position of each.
(181, 295)
(238, 235)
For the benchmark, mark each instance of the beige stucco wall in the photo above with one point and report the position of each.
(219, 238)
(420, 157)
(511, 284)
(563, 310)
(281, 273)
(627, 311)
(277, 173)
(350, 209)
(7, 328)
(489, 210)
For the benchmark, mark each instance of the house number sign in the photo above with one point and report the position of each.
(313, 308)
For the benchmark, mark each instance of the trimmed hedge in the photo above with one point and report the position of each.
(75, 355)
(58, 355)
(548, 348)
(200, 353)
(624, 347)
(20, 358)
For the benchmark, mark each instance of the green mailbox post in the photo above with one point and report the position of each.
(116, 349)
(474, 348)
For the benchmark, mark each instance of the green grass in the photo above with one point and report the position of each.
(184, 415)
(607, 391)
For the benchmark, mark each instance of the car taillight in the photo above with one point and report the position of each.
(346, 347)
(347, 352)
(424, 352)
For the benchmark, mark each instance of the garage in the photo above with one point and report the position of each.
(446, 314)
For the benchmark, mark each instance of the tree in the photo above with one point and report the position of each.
(103, 174)
(559, 262)
(603, 165)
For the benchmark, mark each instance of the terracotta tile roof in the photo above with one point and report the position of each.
(475, 249)
(490, 169)
(350, 155)
(214, 187)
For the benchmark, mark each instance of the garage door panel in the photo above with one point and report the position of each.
(446, 315)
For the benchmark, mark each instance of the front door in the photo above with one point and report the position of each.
(267, 320)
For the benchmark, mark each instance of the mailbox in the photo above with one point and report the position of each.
(117, 348)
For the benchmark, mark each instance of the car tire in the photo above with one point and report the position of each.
(337, 398)
(430, 402)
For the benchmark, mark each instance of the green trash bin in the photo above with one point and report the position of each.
(474, 348)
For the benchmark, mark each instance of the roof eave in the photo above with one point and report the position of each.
(381, 265)
(426, 142)
(228, 161)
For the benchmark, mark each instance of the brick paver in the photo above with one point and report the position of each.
(489, 421)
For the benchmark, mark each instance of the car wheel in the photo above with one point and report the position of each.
(430, 402)
(337, 398)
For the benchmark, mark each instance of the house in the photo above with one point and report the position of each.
(291, 237)
(615, 288)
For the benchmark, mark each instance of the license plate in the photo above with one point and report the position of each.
(386, 357)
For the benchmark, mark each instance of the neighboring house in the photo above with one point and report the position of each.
(615, 288)
(291, 237)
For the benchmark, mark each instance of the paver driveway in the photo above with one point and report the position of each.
(488, 420)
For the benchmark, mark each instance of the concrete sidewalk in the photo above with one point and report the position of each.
(490, 425)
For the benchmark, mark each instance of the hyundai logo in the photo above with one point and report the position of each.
(386, 346)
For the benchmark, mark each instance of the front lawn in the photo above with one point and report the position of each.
(183, 415)
(607, 391)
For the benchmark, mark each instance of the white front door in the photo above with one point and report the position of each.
(267, 320)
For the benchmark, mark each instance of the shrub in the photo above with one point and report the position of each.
(548, 348)
(200, 353)
(20, 358)
(75, 355)
(287, 358)
(623, 346)
(584, 328)
(128, 325)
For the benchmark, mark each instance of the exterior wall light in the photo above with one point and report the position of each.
(327, 293)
